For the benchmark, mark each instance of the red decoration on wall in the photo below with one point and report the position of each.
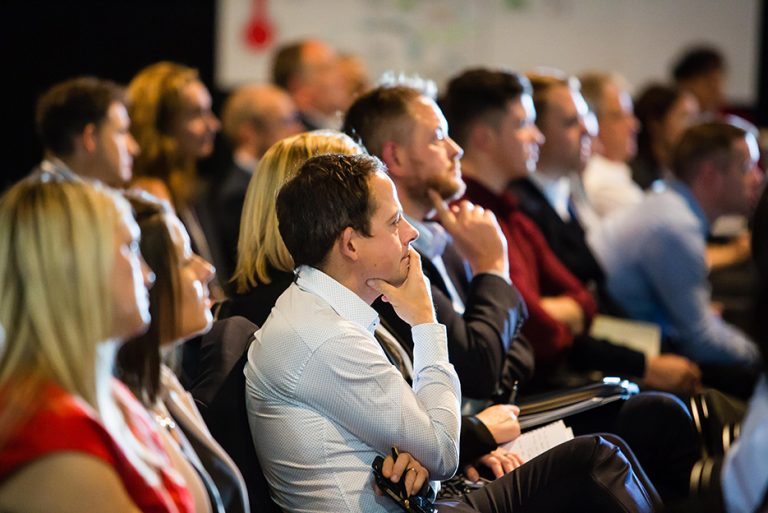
(259, 31)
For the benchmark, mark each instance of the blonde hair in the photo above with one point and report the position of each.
(56, 259)
(259, 245)
(154, 102)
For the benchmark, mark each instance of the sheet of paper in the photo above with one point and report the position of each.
(640, 336)
(531, 444)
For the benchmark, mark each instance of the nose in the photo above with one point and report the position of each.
(133, 146)
(205, 270)
(213, 122)
(408, 232)
(147, 274)
(536, 135)
(456, 152)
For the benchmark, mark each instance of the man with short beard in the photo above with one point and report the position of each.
(404, 127)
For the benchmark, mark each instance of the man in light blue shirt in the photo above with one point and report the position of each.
(654, 253)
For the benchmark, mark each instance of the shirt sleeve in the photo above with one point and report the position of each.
(349, 374)
(676, 269)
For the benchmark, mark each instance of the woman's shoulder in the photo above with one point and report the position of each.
(57, 422)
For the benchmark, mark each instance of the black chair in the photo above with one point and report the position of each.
(219, 390)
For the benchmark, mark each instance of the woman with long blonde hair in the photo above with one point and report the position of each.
(73, 287)
(264, 266)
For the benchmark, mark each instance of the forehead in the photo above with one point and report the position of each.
(117, 114)
(315, 52)
(424, 111)
(566, 101)
(383, 194)
(195, 94)
(178, 233)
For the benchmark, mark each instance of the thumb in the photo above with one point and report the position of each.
(380, 286)
(472, 473)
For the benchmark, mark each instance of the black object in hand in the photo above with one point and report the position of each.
(396, 491)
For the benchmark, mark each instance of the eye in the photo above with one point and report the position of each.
(134, 247)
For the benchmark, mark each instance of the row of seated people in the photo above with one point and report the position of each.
(489, 329)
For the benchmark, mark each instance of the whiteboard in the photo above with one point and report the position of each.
(439, 38)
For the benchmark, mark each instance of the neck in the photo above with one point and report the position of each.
(419, 209)
(551, 171)
(707, 201)
(347, 277)
(481, 168)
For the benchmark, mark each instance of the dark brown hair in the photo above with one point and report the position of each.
(138, 361)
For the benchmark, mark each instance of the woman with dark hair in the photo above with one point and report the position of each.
(664, 113)
(180, 309)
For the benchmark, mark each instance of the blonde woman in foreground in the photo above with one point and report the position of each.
(73, 287)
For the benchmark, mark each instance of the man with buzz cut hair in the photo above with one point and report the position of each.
(323, 400)
(84, 127)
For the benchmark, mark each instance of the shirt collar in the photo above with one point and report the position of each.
(432, 238)
(687, 194)
(57, 167)
(344, 302)
(556, 190)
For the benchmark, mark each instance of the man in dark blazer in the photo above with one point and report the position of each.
(465, 257)
(550, 195)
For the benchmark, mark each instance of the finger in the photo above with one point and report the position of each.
(386, 467)
(403, 462)
(422, 476)
(380, 286)
(507, 463)
(472, 473)
(443, 211)
(515, 410)
(410, 480)
(517, 459)
(494, 464)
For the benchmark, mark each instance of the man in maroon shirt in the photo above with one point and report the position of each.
(491, 114)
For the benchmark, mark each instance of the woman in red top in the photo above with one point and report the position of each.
(74, 287)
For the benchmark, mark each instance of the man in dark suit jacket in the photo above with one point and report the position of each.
(254, 118)
(466, 257)
(550, 195)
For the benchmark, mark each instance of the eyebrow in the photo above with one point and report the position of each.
(397, 214)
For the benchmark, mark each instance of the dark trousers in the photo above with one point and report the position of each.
(588, 473)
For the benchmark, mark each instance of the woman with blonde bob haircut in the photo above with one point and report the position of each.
(264, 266)
(73, 287)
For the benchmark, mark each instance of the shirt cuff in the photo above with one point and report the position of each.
(430, 344)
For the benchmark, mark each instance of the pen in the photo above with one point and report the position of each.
(513, 394)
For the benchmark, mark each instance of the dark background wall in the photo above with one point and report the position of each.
(44, 42)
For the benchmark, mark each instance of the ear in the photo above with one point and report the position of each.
(88, 138)
(482, 136)
(348, 244)
(393, 157)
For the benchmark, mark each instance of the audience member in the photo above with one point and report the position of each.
(83, 125)
(356, 77)
(465, 257)
(655, 252)
(74, 288)
(548, 195)
(701, 71)
(264, 265)
(492, 116)
(309, 71)
(358, 250)
(180, 310)
(608, 178)
(254, 118)
(172, 121)
(664, 113)
(267, 271)
(745, 475)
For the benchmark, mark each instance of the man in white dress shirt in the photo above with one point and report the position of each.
(322, 397)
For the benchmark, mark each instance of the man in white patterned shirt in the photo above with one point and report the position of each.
(323, 399)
